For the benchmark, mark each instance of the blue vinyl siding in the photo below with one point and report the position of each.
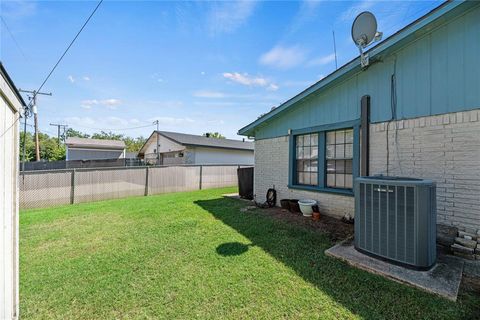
(435, 74)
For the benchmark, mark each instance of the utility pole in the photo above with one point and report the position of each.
(33, 97)
(158, 141)
(64, 126)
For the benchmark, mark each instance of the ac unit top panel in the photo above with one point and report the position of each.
(396, 181)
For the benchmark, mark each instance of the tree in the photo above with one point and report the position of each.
(214, 135)
(108, 136)
(74, 133)
(49, 148)
(134, 144)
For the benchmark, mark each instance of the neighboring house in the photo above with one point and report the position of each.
(94, 149)
(11, 104)
(181, 148)
(422, 89)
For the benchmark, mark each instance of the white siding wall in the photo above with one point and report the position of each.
(202, 155)
(166, 145)
(8, 202)
(94, 154)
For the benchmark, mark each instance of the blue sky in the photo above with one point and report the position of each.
(194, 66)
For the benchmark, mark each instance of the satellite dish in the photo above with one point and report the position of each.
(364, 28)
(364, 32)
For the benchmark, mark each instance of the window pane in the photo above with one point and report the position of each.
(340, 166)
(348, 166)
(306, 140)
(349, 151)
(314, 178)
(349, 136)
(339, 151)
(348, 181)
(330, 152)
(314, 139)
(331, 166)
(331, 137)
(299, 141)
(340, 136)
(299, 165)
(301, 179)
(314, 153)
(306, 165)
(340, 180)
(306, 152)
(299, 153)
(307, 178)
(314, 165)
(330, 180)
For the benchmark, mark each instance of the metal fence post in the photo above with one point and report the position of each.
(201, 173)
(146, 180)
(72, 188)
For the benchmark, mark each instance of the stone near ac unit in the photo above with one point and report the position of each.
(463, 234)
(470, 230)
(466, 243)
(461, 249)
(446, 235)
(464, 255)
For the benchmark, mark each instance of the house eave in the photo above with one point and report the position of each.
(349, 69)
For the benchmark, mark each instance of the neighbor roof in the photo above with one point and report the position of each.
(75, 142)
(412, 31)
(201, 141)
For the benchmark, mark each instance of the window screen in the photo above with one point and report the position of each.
(339, 158)
(307, 159)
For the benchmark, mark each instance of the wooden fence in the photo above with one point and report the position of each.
(59, 187)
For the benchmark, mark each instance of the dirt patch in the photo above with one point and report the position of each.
(335, 229)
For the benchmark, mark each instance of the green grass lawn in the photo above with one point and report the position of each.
(195, 255)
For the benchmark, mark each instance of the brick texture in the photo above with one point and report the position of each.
(271, 170)
(444, 148)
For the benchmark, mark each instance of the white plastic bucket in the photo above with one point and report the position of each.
(306, 206)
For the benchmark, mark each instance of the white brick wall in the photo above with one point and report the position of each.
(271, 169)
(444, 148)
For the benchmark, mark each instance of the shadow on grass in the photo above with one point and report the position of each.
(301, 249)
(232, 249)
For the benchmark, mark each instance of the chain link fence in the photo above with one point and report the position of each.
(67, 186)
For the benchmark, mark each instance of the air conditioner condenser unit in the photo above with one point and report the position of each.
(395, 219)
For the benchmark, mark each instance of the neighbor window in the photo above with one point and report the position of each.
(339, 158)
(307, 159)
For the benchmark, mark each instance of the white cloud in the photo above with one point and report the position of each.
(247, 80)
(86, 78)
(208, 94)
(350, 14)
(321, 61)
(109, 103)
(283, 57)
(272, 87)
(227, 16)
(71, 79)
(307, 12)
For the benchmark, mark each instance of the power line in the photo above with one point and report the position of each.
(13, 38)
(69, 46)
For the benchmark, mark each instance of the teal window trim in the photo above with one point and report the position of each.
(355, 124)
